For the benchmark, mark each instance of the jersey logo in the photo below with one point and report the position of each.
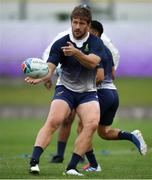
(86, 49)
(59, 93)
(96, 97)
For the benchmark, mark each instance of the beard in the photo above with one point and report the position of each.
(78, 34)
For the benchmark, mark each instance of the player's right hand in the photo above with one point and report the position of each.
(31, 80)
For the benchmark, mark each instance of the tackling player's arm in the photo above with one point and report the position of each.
(31, 80)
(89, 61)
(113, 73)
(99, 75)
(113, 70)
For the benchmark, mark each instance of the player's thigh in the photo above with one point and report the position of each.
(65, 94)
(116, 100)
(109, 103)
(106, 99)
(107, 118)
(89, 113)
(110, 113)
(59, 111)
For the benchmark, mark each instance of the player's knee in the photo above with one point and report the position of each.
(92, 125)
(54, 123)
(103, 133)
(95, 126)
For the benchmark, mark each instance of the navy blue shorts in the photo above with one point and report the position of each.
(74, 99)
(109, 102)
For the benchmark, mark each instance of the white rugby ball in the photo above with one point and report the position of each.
(35, 67)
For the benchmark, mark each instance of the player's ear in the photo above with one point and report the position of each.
(89, 26)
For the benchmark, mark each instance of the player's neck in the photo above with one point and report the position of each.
(79, 42)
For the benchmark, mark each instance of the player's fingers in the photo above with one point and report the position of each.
(29, 81)
(34, 82)
(64, 47)
(27, 78)
(65, 51)
(69, 43)
(48, 86)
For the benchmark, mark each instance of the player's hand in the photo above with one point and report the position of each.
(48, 84)
(31, 80)
(69, 50)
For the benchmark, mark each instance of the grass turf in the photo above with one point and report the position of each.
(132, 92)
(119, 159)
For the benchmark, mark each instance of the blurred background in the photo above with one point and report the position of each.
(28, 26)
(26, 29)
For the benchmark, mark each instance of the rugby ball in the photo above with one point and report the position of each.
(34, 67)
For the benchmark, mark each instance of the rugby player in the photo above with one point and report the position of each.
(79, 53)
(109, 102)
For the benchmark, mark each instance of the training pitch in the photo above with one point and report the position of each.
(119, 159)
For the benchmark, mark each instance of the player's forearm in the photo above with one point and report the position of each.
(99, 76)
(89, 61)
(31, 80)
(51, 68)
(113, 73)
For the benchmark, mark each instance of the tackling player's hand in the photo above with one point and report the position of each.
(48, 84)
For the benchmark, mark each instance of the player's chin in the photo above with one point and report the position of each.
(78, 35)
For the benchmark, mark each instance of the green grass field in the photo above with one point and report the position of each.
(119, 159)
(132, 92)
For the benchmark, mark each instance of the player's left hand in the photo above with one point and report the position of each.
(69, 50)
(48, 84)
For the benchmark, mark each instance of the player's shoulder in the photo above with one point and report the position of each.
(95, 39)
(107, 50)
(105, 38)
(62, 40)
(107, 53)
